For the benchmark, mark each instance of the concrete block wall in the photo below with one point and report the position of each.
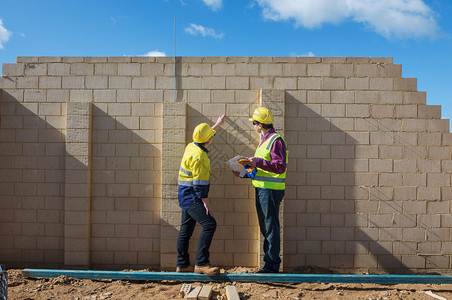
(91, 146)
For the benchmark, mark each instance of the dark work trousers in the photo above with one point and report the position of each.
(267, 207)
(195, 214)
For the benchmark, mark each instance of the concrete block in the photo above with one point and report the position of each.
(195, 69)
(270, 69)
(205, 293)
(390, 70)
(358, 60)
(429, 111)
(35, 69)
(82, 69)
(306, 59)
(15, 69)
(234, 83)
(128, 96)
(439, 152)
(441, 125)
(342, 70)
(73, 82)
(231, 293)
(222, 69)
(391, 97)
(333, 83)
(81, 95)
(190, 82)
(295, 70)
(366, 70)
(220, 83)
(129, 69)
(100, 96)
(429, 193)
(357, 110)
(94, 59)
(413, 261)
(370, 97)
(222, 96)
(319, 97)
(380, 165)
(382, 111)
(355, 83)
(342, 97)
(120, 82)
(416, 125)
(22, 82)
(414, 97)
(406, 111)
(257, 83)
(319, 70)
(110, 69)
(243, 69)
(74, 59)
(405, 84)
(285, 83)
(151, 96)
(381, 84)
(96, 82)
(310, 83)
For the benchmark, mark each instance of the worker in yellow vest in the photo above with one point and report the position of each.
(194, 185)
(267, 170)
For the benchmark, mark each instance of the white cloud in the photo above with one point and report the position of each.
(155, 53)
(199, 29)
(214, 4)
(5, 34)
(389, 18)
(309, 54)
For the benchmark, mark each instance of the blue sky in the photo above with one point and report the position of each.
(416, 33)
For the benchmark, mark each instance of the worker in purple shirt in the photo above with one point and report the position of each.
(267, 170)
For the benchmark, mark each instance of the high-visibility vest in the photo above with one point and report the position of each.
(265, 179)
(195, 167)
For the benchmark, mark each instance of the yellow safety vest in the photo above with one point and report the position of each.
(265, 179)
(195, 167)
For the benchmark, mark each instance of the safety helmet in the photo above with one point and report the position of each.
(262, 115)
(203, 133)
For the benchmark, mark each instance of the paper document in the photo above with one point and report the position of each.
(234, 165)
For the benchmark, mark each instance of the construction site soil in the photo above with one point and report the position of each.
(62, 288)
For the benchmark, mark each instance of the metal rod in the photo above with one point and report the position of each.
(244, 277)
(175, 93)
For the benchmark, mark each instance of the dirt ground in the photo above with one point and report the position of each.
(86, 289)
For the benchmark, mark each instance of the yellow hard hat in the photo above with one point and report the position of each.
(262, 115)
(203, 133)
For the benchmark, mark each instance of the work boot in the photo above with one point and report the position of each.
(188, 269)
(208, 270)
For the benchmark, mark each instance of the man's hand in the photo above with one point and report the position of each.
(219, 122)
(252, 161)
(207, 206)
(236, 174)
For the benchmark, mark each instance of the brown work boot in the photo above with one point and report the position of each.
(188, 269)
(208, 270)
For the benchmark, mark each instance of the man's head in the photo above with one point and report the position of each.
(203, 134)
(262, 118)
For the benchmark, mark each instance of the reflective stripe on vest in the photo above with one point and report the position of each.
(265, 179)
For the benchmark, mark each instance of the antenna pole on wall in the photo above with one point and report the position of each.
(174, 48)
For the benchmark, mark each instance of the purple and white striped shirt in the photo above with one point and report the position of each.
(277, 153)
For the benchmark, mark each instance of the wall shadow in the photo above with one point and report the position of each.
(328, 218)
(32, 171)
(126, 190)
